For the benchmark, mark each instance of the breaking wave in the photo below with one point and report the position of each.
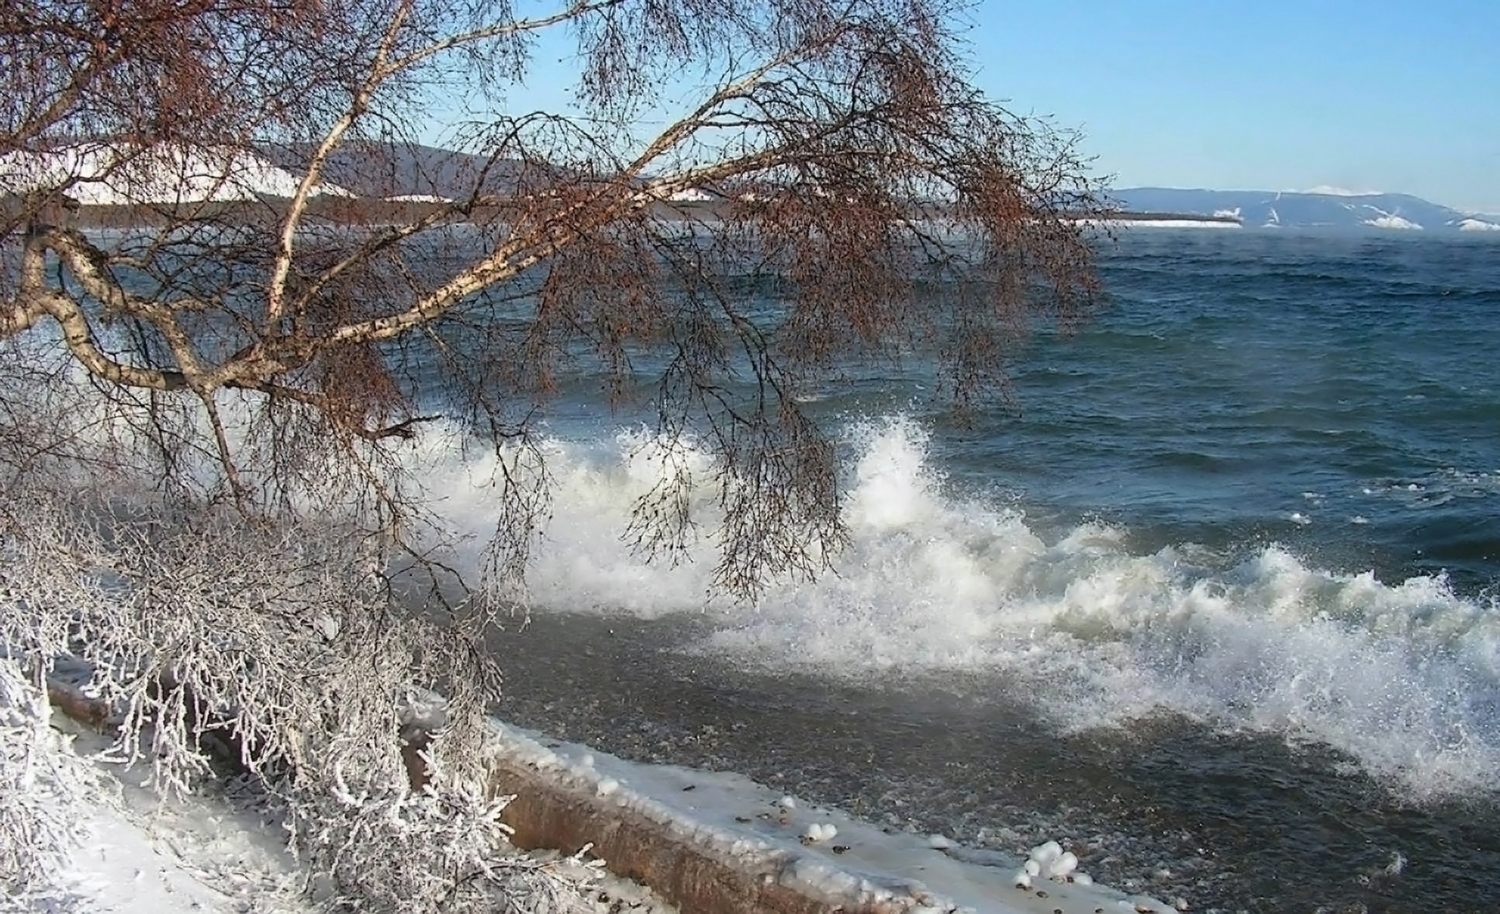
(1403, 677)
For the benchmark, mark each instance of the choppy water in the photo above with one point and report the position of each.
(1216, 602)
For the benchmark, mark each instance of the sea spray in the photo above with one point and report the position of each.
(1403, 677)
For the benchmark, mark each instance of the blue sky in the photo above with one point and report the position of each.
(1266, 94)
(1237, 94)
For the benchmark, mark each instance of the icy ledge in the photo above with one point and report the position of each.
(719, 842)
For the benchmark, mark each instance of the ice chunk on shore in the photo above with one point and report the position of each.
(1047, 852)
(1063, 865)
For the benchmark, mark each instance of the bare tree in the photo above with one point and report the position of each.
(848, 156)
(208, 349)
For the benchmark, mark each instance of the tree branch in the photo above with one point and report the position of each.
(500, 30)
(281, 268)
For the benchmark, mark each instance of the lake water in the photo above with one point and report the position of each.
(1213, 602)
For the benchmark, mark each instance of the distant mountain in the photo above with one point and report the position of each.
(121, 174)
(409, 171)
(103, 173)
(402, 170)
(1321, 207)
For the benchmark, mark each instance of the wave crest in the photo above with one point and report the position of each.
(1404, 677)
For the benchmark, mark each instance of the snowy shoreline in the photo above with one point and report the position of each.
(701, 840)
(774, 844)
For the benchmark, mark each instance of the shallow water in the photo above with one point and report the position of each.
(1227, 820)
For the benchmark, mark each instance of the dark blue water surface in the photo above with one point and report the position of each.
(1339, 394)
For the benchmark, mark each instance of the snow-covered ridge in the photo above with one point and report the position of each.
(1318, 208)
(105, 174)
(1328, 190)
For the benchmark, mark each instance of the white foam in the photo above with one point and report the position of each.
(1404, 677)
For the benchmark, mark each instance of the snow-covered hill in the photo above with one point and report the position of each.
(416, 173)
(114, 174)
(1321, 207)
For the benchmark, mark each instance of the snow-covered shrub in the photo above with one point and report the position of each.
(429, 850)
(43, 788)
(277, 641)
(280, 645)
(270, 631)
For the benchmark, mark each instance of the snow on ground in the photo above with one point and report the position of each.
(125, 866)
(220, 850)
(823, 852)
(1477, 225)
